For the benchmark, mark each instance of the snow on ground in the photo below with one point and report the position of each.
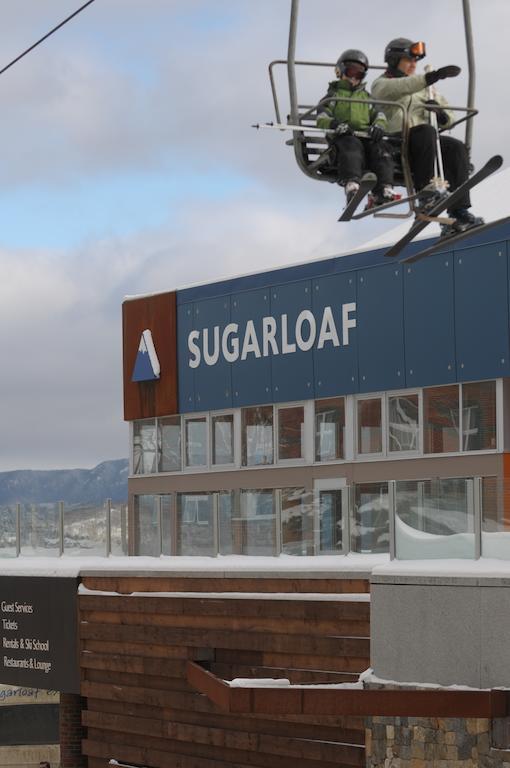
(353, 597)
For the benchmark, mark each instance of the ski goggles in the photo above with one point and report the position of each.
(416, 51)
(354, 70)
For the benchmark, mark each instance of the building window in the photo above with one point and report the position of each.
(147, 534)
(329, 429)
(297, 521)
(403, 423)
(291, 425)
(257, 436)
(370, 426)
(370, 519)
(144, 447)
(195, 524)
(196, 442)
(222, 427)
(479, 416)
(169, 434)
(441, 419)
(257, 523)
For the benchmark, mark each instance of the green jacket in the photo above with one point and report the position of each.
(412, 93)
(357, 116)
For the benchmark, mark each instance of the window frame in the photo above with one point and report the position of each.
(308, 436)
(419, 450)
(348, 432)
(274, 424)
(382, 454)
(235, 427)
(184, 441)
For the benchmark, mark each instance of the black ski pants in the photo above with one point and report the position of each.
(355, 155)
(422, 158)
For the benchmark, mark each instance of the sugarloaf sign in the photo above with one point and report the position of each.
(270, 336)
(38, 632)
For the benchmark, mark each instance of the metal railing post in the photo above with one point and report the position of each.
(278, 519)
(108, 527)
(18, 530)
(478, 504)
(392, 510)
(61, 526)
(216, 514)
(159, 502)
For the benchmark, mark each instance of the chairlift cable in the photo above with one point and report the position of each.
(45, 37)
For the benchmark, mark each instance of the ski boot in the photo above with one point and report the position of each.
(351, 188)
(428, 197)
(381, 197)
(464, 220)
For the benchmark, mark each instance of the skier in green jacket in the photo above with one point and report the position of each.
(354, 154)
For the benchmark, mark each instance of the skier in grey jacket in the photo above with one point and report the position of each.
(400, 83)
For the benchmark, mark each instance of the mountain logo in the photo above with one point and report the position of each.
(147, 366)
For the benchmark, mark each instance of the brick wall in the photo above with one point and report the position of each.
(71, 731)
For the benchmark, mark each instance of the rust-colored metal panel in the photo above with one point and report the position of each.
(338, 701)
(158, 314)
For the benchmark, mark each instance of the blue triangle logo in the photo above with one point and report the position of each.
(146, 364)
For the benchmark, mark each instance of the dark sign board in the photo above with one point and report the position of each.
(38, 630)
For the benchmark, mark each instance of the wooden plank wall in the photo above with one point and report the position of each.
(140, 708)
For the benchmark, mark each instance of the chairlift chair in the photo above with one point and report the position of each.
(311, 147)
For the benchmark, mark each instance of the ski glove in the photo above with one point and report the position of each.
(375, 132)
(441, 74)
(339, 128)
(442, 117)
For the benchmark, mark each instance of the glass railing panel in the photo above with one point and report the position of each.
(297, 521)
(119, 529)
(40, 530)
(195, 524)
(370, 518)
(434, 519)
(495, 512)
(8, 530)
(85, 529)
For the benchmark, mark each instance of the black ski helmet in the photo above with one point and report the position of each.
(352, 55)
(402, 46)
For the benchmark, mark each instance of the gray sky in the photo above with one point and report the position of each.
(129, 166)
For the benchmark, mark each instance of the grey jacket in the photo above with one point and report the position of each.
(412, 93)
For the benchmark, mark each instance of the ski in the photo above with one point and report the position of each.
(378, 209)
(446, 242)
(492, 165)
(366, 185)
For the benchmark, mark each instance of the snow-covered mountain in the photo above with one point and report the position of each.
(106, 481)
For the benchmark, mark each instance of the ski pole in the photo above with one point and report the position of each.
(431, 92)
(303, 128)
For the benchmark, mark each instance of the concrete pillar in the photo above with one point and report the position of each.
(71, 731)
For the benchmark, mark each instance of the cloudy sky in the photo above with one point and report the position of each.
(128, 165)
